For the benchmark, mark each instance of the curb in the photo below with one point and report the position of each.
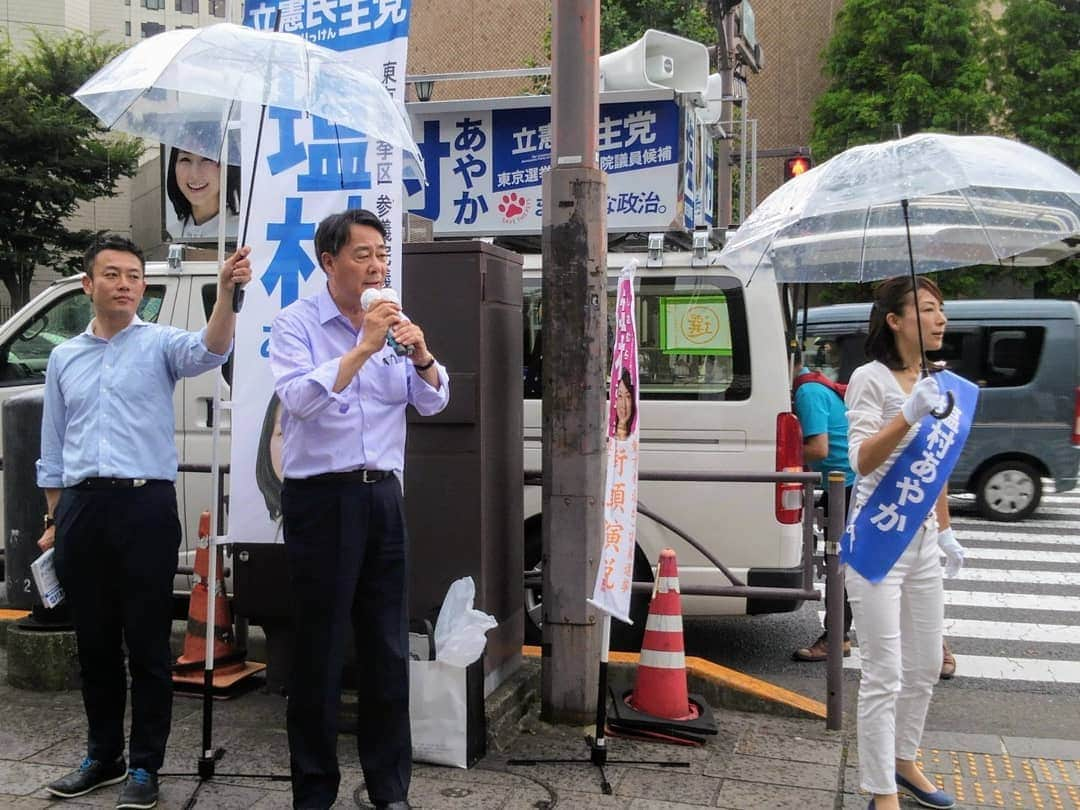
(720, 686)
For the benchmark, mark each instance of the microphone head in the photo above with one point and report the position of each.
(369, 298)
(390, 294)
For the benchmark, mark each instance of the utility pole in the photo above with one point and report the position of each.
(575, 353)
(725, 58)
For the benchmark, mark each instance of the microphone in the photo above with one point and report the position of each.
(371, 297)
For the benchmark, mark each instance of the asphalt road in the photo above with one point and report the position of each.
(1012, 619)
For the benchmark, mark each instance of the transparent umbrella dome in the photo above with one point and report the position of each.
(183, 87)
(971, 200)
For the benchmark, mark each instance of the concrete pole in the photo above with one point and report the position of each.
(575, 353)
(725, 57)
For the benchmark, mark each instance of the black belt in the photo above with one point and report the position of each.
(113, 483)
(351, 477)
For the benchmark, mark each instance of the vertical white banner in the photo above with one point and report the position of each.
(615, 574)
(307, 169)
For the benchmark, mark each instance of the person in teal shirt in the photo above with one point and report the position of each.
(819, 405)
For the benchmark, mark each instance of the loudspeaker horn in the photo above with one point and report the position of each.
(657, 60)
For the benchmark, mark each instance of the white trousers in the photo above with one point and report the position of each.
(899, 624)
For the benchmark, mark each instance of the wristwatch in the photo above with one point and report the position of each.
(426, 365)
(49, 521)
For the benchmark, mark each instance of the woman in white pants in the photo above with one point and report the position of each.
(899, 619)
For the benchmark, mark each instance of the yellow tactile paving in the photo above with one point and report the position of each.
(993, 780)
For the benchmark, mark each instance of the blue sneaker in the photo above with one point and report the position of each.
(938, 799)
(140, 791)
(91, 775)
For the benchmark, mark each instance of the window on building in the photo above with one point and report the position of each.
(217, 8)
(154, 5)
(127, 28)
(187, 6)
(151, 28)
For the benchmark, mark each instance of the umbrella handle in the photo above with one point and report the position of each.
(237, 298)
(950, 404)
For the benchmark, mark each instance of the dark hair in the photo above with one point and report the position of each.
(334, 231)
(265, 477)
(627, 380)
(110, 241)
(182, 205)
(890, 297)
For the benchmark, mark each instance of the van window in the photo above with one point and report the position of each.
(990, 356)
(23, 358)
(693, 341)
(1012, 355)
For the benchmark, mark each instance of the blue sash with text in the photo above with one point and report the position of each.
(896, 509)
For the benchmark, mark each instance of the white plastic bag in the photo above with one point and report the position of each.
(460, 632)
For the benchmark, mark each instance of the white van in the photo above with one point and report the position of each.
(723, 409)
(716, 410)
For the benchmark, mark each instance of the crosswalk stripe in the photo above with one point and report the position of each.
(1022, 554)
(1001, 668)
(1010, 575)
(1006, 631)
(1013, 601)
(973, 536)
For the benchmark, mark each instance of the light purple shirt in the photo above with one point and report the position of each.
(363, 425)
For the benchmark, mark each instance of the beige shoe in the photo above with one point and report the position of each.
(819, 650)
(948, 663)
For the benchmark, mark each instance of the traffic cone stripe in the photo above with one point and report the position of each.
(667, 584)
(662, 660)
(664, 623)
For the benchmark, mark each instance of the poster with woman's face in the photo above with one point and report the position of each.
(623, 397)
(191, 186)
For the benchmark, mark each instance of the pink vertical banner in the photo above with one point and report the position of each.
(615, 574)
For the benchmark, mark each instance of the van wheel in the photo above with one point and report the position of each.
(623, 636)
(1008, 491)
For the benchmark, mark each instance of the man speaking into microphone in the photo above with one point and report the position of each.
(344, 390)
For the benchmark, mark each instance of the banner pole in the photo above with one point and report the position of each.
(599, 747)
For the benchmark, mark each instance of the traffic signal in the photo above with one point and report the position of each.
(796, 165)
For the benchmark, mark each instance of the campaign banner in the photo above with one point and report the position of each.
(878, 533)
(615, 574)
(307, 169)
(485, 166)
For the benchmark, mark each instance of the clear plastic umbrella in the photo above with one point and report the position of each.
(921, 204)
(182, 88)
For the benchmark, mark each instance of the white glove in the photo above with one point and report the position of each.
(954, 552)
(925, 397)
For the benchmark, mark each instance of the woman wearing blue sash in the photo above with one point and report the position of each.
(899, 610)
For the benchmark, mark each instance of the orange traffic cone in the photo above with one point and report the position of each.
(229, 665)
(660, 688)
(659, 707)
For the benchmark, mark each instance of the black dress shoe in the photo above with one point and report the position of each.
(91, 775)
(401, 805)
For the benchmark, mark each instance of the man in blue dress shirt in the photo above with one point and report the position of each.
(108, 466)
(343, 393)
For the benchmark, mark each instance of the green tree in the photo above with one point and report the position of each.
(53, 155)
(1037, 74)
(914, 64)
(623, 21)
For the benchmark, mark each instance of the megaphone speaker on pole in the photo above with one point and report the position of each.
(657, 60)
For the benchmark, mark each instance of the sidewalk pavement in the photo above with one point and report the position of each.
(755, 761)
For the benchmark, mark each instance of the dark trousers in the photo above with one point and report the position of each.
(348, 553)
(116, 558)
(847, 604)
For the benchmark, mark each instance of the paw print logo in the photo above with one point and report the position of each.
(513, 207)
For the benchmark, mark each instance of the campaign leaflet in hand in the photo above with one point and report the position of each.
(44, 573)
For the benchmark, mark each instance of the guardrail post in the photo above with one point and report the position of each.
(834, 603)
